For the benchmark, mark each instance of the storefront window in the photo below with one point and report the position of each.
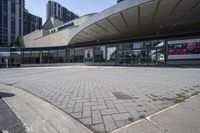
(53, 56)
(45, 56)
(138, 45)
(156, 52)
(4, 55)
(26, 57)
(99, 54)
(127, 46)
(88, 55)
(126, 53)
(61, 56)
(125, 57)
(35, 57)
(78, 55)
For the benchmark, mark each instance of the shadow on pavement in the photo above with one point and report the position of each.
(3, 95)
(8, 120)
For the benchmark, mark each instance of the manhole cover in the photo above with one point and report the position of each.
(122, 95)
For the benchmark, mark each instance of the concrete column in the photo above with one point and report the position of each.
(41, 57)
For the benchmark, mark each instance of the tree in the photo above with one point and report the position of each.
(17, 42)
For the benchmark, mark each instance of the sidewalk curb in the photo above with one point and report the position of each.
(38, 115)
(148, 118)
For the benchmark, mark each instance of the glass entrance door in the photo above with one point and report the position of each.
(141, 53)
(45, 57)
(140, 56)
(125, 57)
(157, 53)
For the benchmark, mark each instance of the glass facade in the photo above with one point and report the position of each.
(54, 9)
(15, 57)
(35, 57)
(132, 53)
(62, 56)
(31, 22)
(44, 55)
(4, 55)
(100, 54)
(152, 52)
(78, 55)
(11, 21)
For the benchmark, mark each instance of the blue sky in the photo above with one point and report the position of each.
(80, 7)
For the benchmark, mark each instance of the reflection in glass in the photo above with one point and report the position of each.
(61, 56)
(45, 56)
(125, 57)
(26, 57)
(52, 56)
(100, 54)
(78, 55)
(35, 57)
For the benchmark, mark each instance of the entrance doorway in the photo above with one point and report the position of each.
(142, 53)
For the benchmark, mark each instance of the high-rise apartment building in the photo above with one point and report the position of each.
(54, 9)
(11, 21)
(31, 22)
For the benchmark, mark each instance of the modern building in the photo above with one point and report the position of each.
(11, 21)
(54, 9)
(133, 32)
(31, 22)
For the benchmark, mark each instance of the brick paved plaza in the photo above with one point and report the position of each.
(106, 98)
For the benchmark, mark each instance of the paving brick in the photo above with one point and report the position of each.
(71, 104)
(132, 111)
(86, 121)
(77, 109)
(86, 112)
(65, 101)
(60, 98)
(110, 104)
(121, 123)
(100, 101)
(90, 103)
(109, 123)
(120, 108)
(69, 110)
(109, 111)
(99, 107)
(120, 117)
(76, 115)
(99, 128)
(62, 106)
(84, 88)
(93, 98)
(82, 100)
(96, 117)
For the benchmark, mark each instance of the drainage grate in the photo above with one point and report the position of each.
(122, 95)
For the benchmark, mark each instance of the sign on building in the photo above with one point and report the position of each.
(184, 49)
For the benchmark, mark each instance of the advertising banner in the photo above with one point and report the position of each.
(184, 49)
(88, 55)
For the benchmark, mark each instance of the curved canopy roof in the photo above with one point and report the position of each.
(137, 18)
